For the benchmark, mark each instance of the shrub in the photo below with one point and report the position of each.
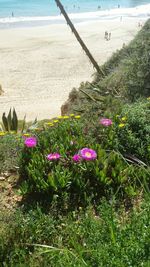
(130, 132)
(134, 137)
(59, 166)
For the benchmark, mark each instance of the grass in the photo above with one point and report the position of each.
(107, 237)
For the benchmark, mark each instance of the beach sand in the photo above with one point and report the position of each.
(40, 65)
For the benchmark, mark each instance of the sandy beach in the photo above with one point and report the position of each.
(40, 65)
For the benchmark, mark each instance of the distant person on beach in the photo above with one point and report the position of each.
(12, 14)
(140, 25)
(118, 6)
(109, 36)
(106, 35)
(99, 7)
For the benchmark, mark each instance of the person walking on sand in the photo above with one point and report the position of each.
(109, 36)
(106, 35)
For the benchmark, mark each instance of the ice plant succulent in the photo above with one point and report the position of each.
(88, 154)
(76, 158)
(53, 156)
(105, 122)
(30, 142)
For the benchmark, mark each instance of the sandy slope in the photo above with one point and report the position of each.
(39, 66)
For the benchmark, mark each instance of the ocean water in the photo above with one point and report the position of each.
(39, 12)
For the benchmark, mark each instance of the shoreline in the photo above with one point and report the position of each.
(140, 12)
(40, 65)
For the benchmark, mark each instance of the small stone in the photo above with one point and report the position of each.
(2, 178)
(6, 174)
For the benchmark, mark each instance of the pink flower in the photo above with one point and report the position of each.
(106, 122)
(76, 158)
(88, 154)
(53, 156)
(30, 142)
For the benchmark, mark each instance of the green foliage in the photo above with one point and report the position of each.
(73, 183)
(129, 133)
(9, 152)
(82, 238)
(134, 137)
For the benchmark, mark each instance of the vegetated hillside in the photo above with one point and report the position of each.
(83, 194)
(127, 76)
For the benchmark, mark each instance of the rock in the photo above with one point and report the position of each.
(73, 96)
(6, 174)
(2, 178)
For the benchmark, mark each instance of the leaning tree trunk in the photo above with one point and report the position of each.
(99, 70)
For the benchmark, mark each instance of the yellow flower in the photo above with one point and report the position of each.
(13, 132)
(55, 121)
(2, 133)
(77, 117)
(148, 98)
(37, 129)
(26, 134)
(121, 125)
(124, 118)
(71, 115)
(66, 117)
(60, 117)
(49, 123)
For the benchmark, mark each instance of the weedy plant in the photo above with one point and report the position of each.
(11, 123)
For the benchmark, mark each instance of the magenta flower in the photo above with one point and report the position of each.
(76, 158)
(53, 156)
(106, 122)
(30, 142)
(88, 154)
